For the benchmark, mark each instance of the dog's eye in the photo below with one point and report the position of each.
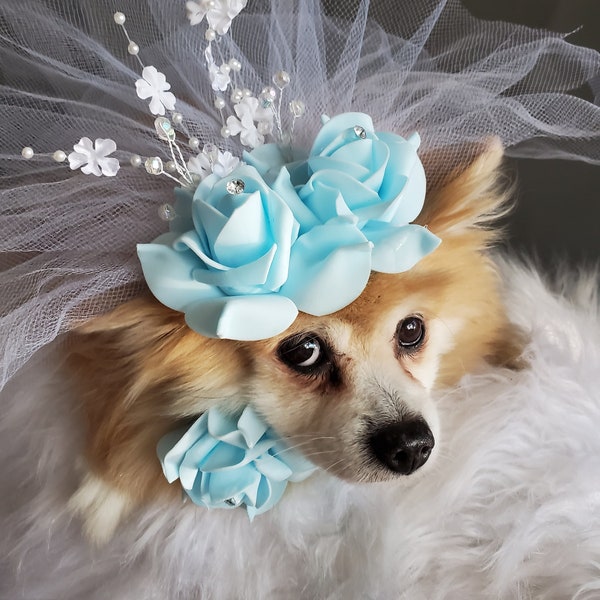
(410, 332)
(304, 353)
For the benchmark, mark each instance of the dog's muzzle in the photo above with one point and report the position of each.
(403, 446)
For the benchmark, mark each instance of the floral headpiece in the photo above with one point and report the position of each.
(253, 242)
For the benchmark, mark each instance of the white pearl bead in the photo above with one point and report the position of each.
(136, 160)
(219, 103)
(210, 35)
(177, 118)
(27, 152)
(247, 93)
(59, 156)
(225, 132)
(133, 49)
(225, 68)
(235, 65)
(237, 95)
(194, 143)
(208, 4)
(119, 18)
(170, 166)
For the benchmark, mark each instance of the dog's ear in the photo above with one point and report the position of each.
(141, 372)
(470, 198)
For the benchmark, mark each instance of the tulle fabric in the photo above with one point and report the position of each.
(67, 240)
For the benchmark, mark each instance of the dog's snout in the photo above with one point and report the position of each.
(404, 446)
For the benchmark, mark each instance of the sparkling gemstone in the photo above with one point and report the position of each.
(297, 108)
(267, 97)
(360, 132)
(281, 79)
(154, 165)
(211, 151)
(164, 129)
(235, 186)
(166, 212)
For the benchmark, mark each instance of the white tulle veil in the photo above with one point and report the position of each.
(67, 240)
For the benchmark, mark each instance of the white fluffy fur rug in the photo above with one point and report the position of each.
(512, 509)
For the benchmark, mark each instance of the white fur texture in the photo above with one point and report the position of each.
(510, 510)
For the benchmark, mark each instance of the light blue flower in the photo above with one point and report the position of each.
(352, 170)
(225, 462)
(295, 233)
(232, 262)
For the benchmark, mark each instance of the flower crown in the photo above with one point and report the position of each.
(253, 242)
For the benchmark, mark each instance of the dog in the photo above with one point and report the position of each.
(352, 391)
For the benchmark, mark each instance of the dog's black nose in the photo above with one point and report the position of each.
(404, 446)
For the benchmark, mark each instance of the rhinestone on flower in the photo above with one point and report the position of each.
(360, 132)
(154, 165)
(166, 212)
(281, 79)
(235, 186)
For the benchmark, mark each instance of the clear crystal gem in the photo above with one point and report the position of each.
(235, 186)
(164, 129)
(281, 79)
(166, 212)
(297, 108)
(360, 132)
(154, 165)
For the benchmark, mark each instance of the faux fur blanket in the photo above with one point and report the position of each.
(511, 510)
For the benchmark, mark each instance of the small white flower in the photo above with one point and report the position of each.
(92, 159)
(223, 12)
(249, 111)
(196, 11)
(225, 164)
(202, 166)
(219, 77)
(154, 85)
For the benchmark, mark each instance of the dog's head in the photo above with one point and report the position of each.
(351, 390)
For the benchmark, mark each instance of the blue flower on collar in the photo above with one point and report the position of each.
(225, 462)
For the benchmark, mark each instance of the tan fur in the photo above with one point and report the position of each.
(142, 372)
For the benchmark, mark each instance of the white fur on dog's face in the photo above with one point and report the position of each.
(367, 380)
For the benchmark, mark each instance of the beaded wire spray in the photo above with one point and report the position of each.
(253, 118)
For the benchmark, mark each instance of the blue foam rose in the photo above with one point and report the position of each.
(303, 235)
(226, 462)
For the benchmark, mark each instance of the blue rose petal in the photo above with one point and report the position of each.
(333, 262)
(398, 249)
(168, 274)
(246, 318)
